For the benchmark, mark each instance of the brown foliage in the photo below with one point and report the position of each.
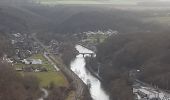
(68, 52)
(15, 87)
(5, 46)
(122, 53)
(57, 93)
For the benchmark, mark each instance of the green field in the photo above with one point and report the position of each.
(46, 78)
(19, 65)
(165, 19)
(93, 39)
(162, 20)
(45, 64)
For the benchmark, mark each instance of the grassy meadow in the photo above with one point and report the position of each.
(45, 78)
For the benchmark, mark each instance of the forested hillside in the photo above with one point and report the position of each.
(10, 23)
(75, 19)
(19, 18)
(16, 87)
(4, 44)
(70, 19)
(122, 53)
(103, 19)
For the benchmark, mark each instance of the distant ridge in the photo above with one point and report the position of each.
(55, 2)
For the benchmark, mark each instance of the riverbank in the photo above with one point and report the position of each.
(93, 72)
(88, 67)
(78, 67)
(91, 48)
(78, 84)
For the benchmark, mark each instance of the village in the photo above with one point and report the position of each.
(90, 39)
(143, 91)
(29, 58)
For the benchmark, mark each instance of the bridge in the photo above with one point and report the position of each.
(84, 54)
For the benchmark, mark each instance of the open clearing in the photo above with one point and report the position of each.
(46, 63)
(46, 78)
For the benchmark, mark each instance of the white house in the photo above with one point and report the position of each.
(32, 61)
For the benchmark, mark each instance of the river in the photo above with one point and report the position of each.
(78, 66)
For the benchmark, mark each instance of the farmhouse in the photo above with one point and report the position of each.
(32, 61)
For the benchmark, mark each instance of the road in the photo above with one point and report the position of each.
(54, 65)
(78, 84)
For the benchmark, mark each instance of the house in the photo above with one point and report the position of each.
(34, 69)
(19, 69)
(32, 61)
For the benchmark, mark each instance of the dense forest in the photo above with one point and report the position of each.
(16, 87)
(4, 45)
(122, 53)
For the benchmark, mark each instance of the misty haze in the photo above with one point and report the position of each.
(84, 49)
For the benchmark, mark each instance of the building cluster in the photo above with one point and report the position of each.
(24, 46)
(32, 69)
(90, 39)
(149, 93)
(108, 32)
(32, 61)
(55, 47)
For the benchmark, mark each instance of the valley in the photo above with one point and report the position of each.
(76, 50)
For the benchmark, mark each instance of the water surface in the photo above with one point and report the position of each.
(78, 66)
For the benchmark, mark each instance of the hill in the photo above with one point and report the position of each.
(123, 53)
(55, 2)
(105, 18)
(71, 19)
(19, 19)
